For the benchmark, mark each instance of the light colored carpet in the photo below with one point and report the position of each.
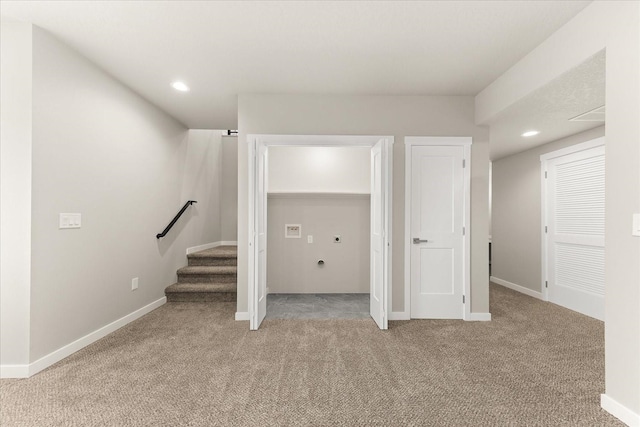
(192, 364)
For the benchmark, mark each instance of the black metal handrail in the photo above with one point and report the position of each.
(175, 218)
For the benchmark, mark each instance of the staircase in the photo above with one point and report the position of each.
(209, 277)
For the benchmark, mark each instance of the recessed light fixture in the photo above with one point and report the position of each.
(530, 133)
(180, 86)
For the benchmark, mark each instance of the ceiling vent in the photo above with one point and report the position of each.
(596, 115)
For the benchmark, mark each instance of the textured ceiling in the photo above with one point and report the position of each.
(549, 109)
(222, 49)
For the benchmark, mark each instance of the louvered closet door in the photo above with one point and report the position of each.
(575, 235)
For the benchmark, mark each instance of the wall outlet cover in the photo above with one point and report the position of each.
(292, 231)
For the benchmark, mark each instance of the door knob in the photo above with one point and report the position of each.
(416, 240)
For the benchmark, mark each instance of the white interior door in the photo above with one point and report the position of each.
(379, 227)
(437, 221)
(260, 296)
(575, 231)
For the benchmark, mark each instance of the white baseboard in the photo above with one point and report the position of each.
(80, 343)
(478, 317)
(399, 315)
(14, 371)
(619, 411)
(242, 315)
(521, 289)
(211, 245)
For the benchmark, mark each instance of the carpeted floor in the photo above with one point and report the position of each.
(192, 364)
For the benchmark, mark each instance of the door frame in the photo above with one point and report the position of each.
(465, 142)
(544, 220)
(270, 140)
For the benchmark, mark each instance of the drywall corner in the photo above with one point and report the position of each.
(16, 139)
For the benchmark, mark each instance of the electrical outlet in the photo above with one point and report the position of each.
(337, 238)
(134, 283)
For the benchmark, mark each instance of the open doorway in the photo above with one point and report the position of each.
(548, 204)
(318, 232)
(379, 149)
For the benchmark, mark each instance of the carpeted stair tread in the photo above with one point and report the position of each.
(217, 252)
(211, 276)
(221, 255)
(201, 287)
(208, 269)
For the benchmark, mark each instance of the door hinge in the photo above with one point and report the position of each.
(464, 163)
(546, 230)
(545, 174)
(463, 299)
(546, 284)
(463, 231)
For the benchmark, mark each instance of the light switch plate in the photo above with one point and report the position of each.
(309, 238)
(70, 220)
(636, 225)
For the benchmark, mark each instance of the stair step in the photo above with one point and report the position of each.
(207, 274)
(201, 292)
(221, 255)
(210, 277)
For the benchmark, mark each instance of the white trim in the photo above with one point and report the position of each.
(573, 149)
(399, 315)
(543, 236)
(66, 351)
(518, 288)
(199, 248)
(258, 140)
(478, 317)
(388, 198)
(318, 195)
(242, 315)
(319, 140)
(466, 238)
(202, 247)
(14, 371)
(407, 226)
(409, 142)
(251, 230)
(619, 411)
(437, 140)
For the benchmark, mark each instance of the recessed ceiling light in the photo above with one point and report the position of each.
(530, 133)
(180, 86)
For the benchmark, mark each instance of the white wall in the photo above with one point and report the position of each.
(319, 169)
(201, 176)
(229, 182)
(516, 212)
(373, 115)
(292, 264)
(101, 150)
(15, 192)
(614, 26)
